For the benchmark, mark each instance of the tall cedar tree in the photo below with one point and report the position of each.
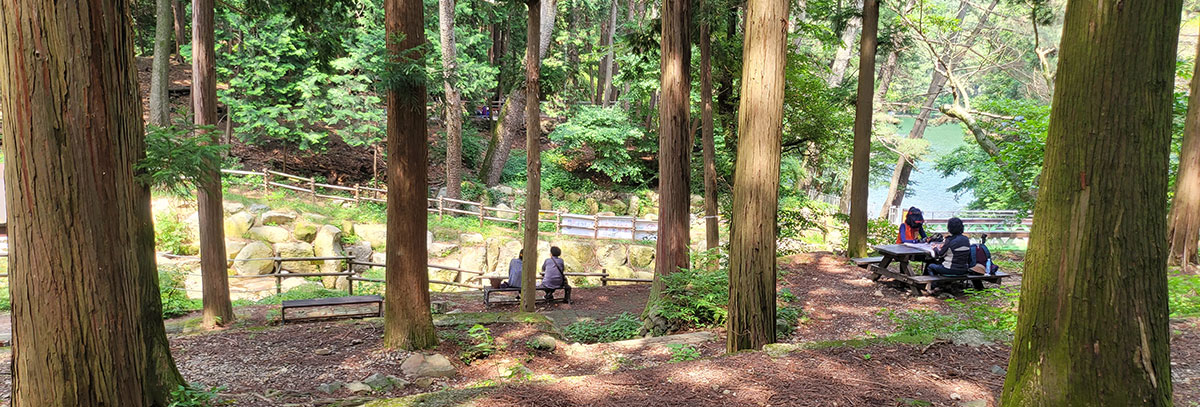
(711, 221)
(863, 114)
(454, 109)
(218, 310)
(751, 321)
(674, 154)
(533, 158)
(81, 236)
(1092, 325)
(408, 323)
(1183, 231)
(161, 65)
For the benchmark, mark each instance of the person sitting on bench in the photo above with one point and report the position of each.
(514, 272)
(955, 252)
(552, 273)
(913, 228)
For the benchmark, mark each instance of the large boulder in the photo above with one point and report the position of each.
(374, 233)
(470, 238)
(504, 214)
(641, 256)
(578, 256)
(361, 252)
(328, 243)
(473, 258)
(255, 250)
(237, 224)
(617, 207)
(258, 208)
(232, 248)
(273, 234)
(442, 249)
(611, 255)
(635, 204)
(232, 207)
(432, 365)
(592, 205)
(305, 230)
(620, 272)
(296, 249)
(276, 218)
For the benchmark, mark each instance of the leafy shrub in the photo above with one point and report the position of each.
(171, 234)
(175, 301)
(176, 157)
(303, 292)
(681, 352)
(618, 328)
(601, 139)
(187, 396)
(879, 231)
(485, 344)
(697, 296)
(1183, 295)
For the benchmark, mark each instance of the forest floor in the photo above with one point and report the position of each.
(846, 352)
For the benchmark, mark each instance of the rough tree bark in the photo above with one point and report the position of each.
(81, 235)
(863, 115)
(1092, 329)
(751, 321)
(512, 119)
(903, 168)
(407, 323)
(161, 65)
(674, 155)
(180, 21)
(1183, 226)
(533, 159)
(606, 65)
(218, 310)
(454, 108)
(711, 221)
(841, 59)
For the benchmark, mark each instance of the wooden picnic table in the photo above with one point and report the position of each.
(903, 256)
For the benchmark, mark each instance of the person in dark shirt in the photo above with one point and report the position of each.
(955, 252)
(913, 228)
(552, 270)
(514, 271)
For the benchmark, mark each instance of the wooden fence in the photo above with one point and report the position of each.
(593, 226)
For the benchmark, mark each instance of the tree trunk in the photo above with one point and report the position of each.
(408, 323)
(603, 92)
(1183, 226)
(509, 127)
(180, 18)
(160, 105)
(841, 59)
(903, 169)
(751, 321)
(1093, 327)
(864, 112)
(886, 72)
(674, 148)
(989, 147)
(533, 158)
(453, 100)
(80, 231)
(711, 220)
(218, 311)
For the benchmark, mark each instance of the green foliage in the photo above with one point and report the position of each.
(602, 139)
(172, 235)
(617, 328)
(484, 346)
(1022, 143)
(879, 231)
(697, 296)
(303, 292)
(175, 301)
(682, 352)
(188, 396)
(178, 157)
(1183, 295)
(991, 311)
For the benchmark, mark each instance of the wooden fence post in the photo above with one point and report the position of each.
(595, 227)
(481, 214)
(357, 191)
(266, 178)
(441, 207)
(278, 279)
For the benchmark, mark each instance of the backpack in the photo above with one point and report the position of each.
(981, 255)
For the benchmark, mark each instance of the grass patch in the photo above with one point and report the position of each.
(617, 328)
(992, 311)
(363, 212)
(1183, 295)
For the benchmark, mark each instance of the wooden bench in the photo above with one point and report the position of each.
(865, 262)
(549, 292)
(927, 281)
(333, 301)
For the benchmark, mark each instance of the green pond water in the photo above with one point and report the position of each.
(927, 188)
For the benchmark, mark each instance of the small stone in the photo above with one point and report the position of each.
(323, 352)
(724, 391)
(777, 350)
(973, 403)
(424, 382)
(543, 342)
(955, 396)
(328, 388)
(398, 382)
(258, 208)
(433, 365)
(233, 207)
(378, 382)
(998, 370)
(358, 387)
(877, 293)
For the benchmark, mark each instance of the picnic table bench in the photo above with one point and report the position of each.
(487, 295)
(329, 302)
(902, 256)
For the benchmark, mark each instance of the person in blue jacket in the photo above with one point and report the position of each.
(913, 228)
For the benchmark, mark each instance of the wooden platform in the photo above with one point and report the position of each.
(330, 302)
